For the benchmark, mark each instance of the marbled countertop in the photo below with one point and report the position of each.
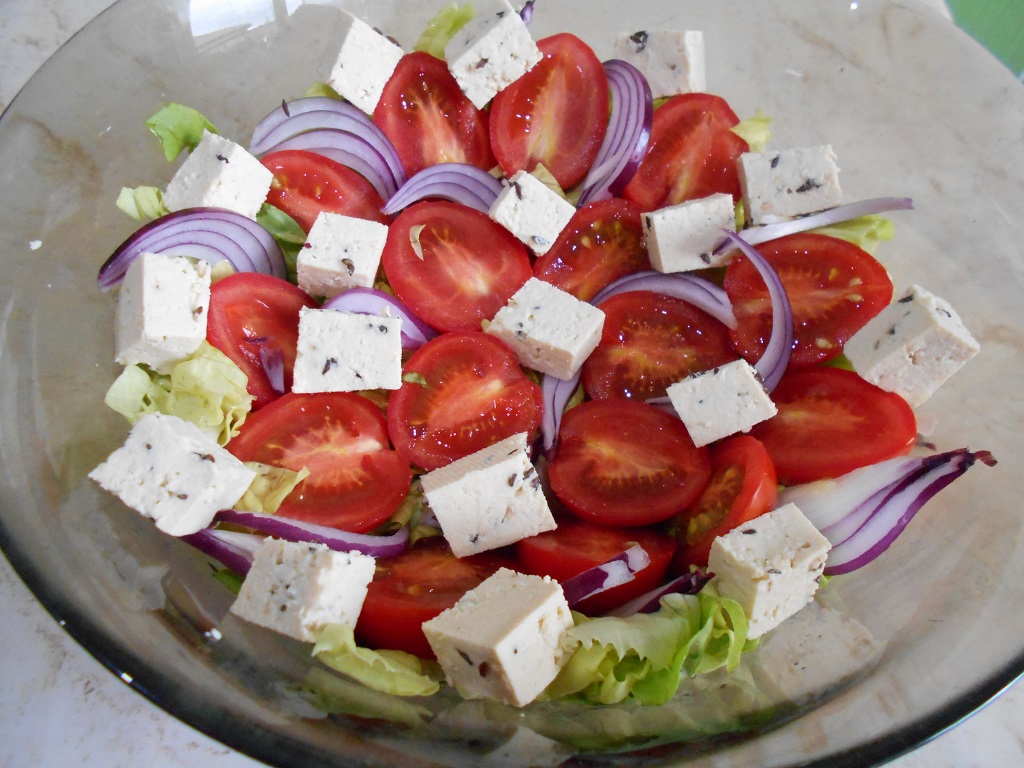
(60, 707)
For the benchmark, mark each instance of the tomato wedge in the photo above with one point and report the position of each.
(743, 486)
(650, 341)
(469, 393)
(831, 422)
(452, 265)
(692, 153)
(249, 313)
(601, 243)
(305, 184)
(356, 481)
(576, 546)
(833, 286)
(555, 115)
(428, 118)
(620, 462)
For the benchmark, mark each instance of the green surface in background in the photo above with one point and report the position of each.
(996, 24)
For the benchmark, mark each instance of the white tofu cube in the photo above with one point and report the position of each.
(491, 52)
(488, 499)
(340, 252)
(365, 62)
(219, 174)
(172, 472)
(531, 211)
(296, 588)
(722, 401)
(162, 310)
(503, 639)
(671, 60)
(549, 329)
(682, 238)
(913, 346)
(770, 566)
(347, 352)
(778, 186)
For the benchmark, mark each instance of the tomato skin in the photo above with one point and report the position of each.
(648, 342)
(692, 153)
(429, 119)
(576, 546)
(601, 243)
(249, 310)
(469, 269)
(743, 486)
(356, 480)
(830, 421)
(623, 463)
(833, 286)
(555, 115)
(305, 184)
(476, 394)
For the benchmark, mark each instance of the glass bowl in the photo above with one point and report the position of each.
(886, 658)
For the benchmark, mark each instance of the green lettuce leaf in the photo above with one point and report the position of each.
(866, 232)
(142, 203)
(285, 230)
(443, 27)
(756, 131)
(395, 672)
(178, 127)
(332, 694)
(320, 88)
(269, 488)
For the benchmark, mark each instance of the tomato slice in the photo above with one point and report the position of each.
(452, 265)
(833, 286)
(356, 481)
(620, 462)
(692, 153)
(249, 312)
(650, 341)
(601, 243)
(556, 114)
(831, 422)
(415, 587)
(305, 184)
(743, 485)
(470, 393)
(428, 118)
(576, 546)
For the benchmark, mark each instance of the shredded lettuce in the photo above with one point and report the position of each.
(178, 128)
(756, 131)
(395, 672)
(285, 230)
(269, 488)
(142, 203)
(866, 232)
(411, 513)
(321, 88)
(443, 27)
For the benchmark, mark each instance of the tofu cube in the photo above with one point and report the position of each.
(671, 60)
(681, 238)
(503, 639)
(491, 52)
(347, 352)
(296, 588)
(549, 329)
(722, 401)
(162, 310)
(488, 499)
(770, 566)
(340, 252)
(531, 211)
(913, 346)
(172, 472)
(364, 63)
(778, 186)
(219, 174)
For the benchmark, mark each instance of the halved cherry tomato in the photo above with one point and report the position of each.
(452, 265)
(470, 393)
(356, 481)
(692, 153)
(650, 341)
(833, 286)
(305, 184)
(743, 486)
(250, 312)
(415, 587)
(576, 546)
(556, 114)
(601, 243)
(620, 462)
(831, 422)
(429, 119)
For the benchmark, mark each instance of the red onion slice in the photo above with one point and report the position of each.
(291, 109)
(233, 549)
(702, 293)
(556, 393)
(687, 584)
(614, 572)
(458, 182)
(298, 530)
(370, 301)
(272, 360)
(526, 14)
